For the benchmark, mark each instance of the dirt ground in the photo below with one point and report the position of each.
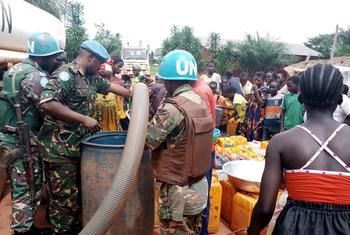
(5, 217)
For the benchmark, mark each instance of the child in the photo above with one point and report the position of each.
(272, 116)
(219, 101)
(214, 86)
(292, 109)
(235, 105)
(254, 117)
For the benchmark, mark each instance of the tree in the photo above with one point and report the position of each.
(51, 6)
(185, 40)
(261, 54)
(321, 43)
(111, 41)
(75, 30)
(343, 48)
(226, 56)
(213, 44)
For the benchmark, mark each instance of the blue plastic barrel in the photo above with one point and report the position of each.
(101, 156)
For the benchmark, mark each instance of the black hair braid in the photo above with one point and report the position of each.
(321, 86)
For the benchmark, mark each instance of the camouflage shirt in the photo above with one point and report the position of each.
(69, 86)
(168, 126)
(32, 80)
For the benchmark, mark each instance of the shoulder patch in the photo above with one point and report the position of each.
(64, 76)
(43, 81)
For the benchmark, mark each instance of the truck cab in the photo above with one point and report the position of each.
(135, 56)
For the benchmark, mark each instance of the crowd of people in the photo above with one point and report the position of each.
(312, 160)
(264, 107)
(61, 102)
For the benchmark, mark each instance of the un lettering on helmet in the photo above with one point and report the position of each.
(185, 67)
(31, 45)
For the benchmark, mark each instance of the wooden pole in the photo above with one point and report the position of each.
(334, 43)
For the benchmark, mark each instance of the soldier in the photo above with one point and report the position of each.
(179, 136)
(68, 99)
(22, 86)
(60, 60)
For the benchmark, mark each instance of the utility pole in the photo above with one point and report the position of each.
(334, 43)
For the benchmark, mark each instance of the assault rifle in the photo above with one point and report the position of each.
(22, 131)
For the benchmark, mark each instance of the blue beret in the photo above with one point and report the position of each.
(96, 49)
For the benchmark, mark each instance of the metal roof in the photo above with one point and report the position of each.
(300, 49)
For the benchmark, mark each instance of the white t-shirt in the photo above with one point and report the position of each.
(247, 89)
(342, 110)
(214, 78)
(283, 90)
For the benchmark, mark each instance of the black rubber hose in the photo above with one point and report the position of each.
(125, 177)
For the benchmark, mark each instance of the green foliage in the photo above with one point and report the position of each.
(73, 16)
(321, 43)
(343, 46)
(226, 56)
(75, 30)
(111, 41)
(261, 54)
(51, 6)
(343, 50)
(213, 44)
(185, 40)
(285, 60)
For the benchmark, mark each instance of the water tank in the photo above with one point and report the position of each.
(101, 156)
(18, 19)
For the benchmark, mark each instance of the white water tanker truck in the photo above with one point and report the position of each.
(18, 19)
(135, 56)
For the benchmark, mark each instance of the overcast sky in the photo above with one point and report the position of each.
(150, 20)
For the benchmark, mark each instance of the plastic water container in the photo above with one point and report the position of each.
(215, 206)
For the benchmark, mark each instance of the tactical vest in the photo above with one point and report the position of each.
(189, 160)
(11, 89)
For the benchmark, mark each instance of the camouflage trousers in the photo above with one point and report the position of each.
(190, 225)
(24, 206)
(180, 208)
(63, 196)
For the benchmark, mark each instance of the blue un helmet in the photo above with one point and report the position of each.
(42, 44)
(178, 65)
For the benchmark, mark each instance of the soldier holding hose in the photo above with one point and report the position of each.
(67, 100)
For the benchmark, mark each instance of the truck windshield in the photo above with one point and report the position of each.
(134, 54)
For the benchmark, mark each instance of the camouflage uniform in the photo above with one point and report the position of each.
(180, 208)
(31, 79)
(69, 86)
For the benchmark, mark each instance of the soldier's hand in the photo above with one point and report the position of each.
(91, 124)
